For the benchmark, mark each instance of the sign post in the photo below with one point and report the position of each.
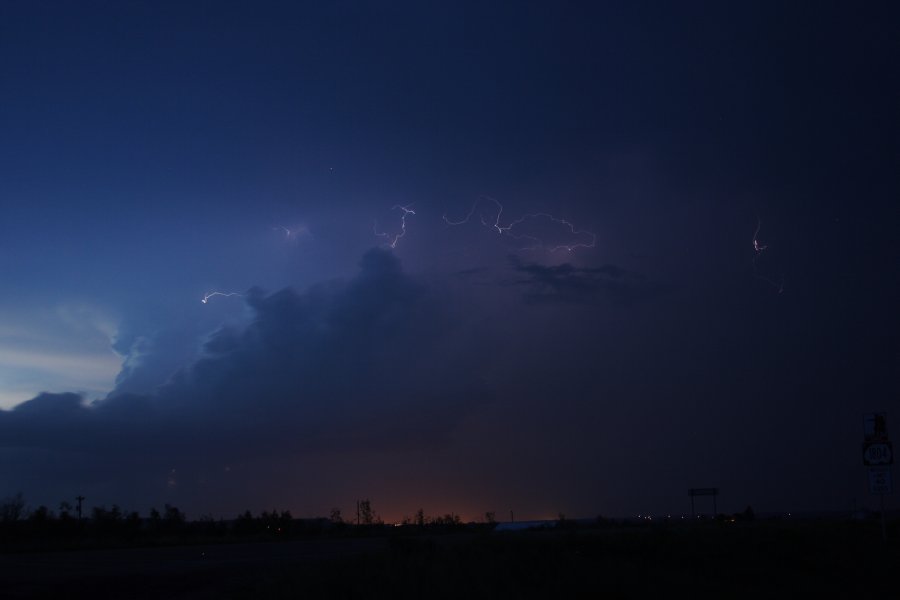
(878, 456)
(704, 492)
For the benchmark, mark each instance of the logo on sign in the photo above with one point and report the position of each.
(878, 453)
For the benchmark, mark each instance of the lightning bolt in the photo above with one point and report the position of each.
(209, 295)
(393, 241)
(758, 249)
(508, 229)
(292, 234)
(572, 230)
(287, 232)
(465, 220)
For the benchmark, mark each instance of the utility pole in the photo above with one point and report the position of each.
(80, 500)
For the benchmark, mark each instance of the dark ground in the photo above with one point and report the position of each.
(759, 559)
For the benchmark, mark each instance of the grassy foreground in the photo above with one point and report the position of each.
(723, 560)
(754, 560)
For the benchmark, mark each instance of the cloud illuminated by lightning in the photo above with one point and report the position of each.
(209, 295)
(393, 241)
(508, 229)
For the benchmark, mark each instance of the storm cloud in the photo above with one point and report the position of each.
(361, 364)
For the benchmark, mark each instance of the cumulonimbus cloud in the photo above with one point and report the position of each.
(354, 364)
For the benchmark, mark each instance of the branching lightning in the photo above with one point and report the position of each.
(508, 229)
(572, 230)
(393, 240)
(758, 249)
(209, 295)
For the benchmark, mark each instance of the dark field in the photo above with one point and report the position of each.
(760, 559)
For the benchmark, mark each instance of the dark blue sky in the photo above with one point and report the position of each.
(151, 152)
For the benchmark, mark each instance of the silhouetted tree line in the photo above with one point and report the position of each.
(113, 524)
(269, 523)
(18, 524)
(43, 526)
(441, 522)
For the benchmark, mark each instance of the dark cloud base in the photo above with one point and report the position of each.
(566, 283)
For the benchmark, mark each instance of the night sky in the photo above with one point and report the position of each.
(694, 280)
